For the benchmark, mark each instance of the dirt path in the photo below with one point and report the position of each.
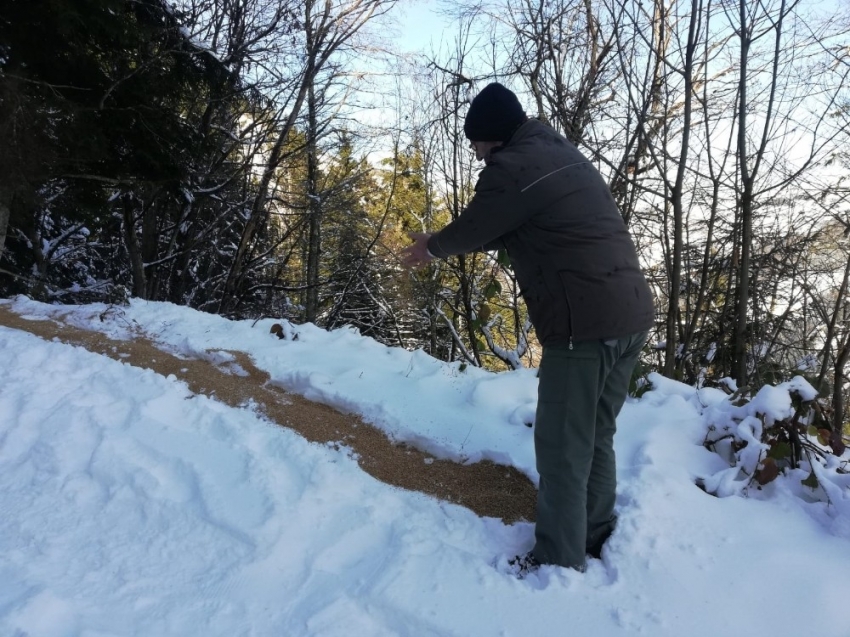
(487, 489)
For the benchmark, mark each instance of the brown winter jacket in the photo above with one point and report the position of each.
(541, 200)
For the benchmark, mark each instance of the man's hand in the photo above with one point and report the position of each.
(416, 255)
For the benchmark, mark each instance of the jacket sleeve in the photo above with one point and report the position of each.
(497, 208)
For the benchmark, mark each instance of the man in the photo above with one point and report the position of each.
(550, 209)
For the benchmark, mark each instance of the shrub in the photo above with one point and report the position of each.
(781, 431)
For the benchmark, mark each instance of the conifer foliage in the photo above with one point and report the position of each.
(108, 116)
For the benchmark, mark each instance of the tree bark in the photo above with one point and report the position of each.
(673, 313)
(5, 214)
(745, 210)
(314, 245)
(838, 388)
(131, 242)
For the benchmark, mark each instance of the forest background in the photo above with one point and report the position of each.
(257, 158)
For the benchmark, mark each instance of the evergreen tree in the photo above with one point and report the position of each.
(104, 122)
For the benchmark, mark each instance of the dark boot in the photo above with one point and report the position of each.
(522, 565)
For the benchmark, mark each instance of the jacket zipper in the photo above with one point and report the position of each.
(570, 308)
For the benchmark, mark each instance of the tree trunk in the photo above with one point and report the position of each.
(149, 249)
(739, 360)
(840, 302)
(838, 388)
(5, 213)
(131, 242)
(314, 245)
(673, 324)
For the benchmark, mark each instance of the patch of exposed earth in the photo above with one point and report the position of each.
(486, 488)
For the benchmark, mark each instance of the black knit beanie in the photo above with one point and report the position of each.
(494, 115)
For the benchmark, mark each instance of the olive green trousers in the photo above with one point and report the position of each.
(581, 390)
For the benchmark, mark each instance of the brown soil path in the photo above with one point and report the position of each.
(486, 488)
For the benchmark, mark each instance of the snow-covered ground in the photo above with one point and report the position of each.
(129, 506)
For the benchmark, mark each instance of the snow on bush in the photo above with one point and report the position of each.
(777, 440)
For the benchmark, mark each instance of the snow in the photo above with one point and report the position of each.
(131, 506)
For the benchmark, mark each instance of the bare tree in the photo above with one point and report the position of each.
(327, 27)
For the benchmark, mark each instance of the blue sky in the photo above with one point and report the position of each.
(420, 23)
